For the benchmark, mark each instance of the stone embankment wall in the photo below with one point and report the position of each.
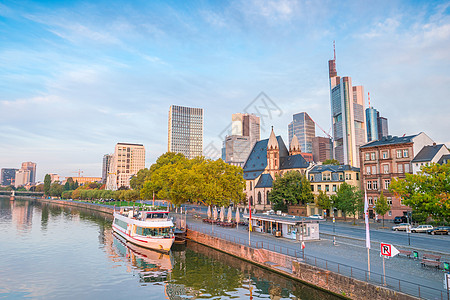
(108, 210)
(289, 266)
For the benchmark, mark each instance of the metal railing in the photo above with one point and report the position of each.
(396, 284)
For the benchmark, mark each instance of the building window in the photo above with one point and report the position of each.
(406, 168)
(405, 152)
(375, 185)
(399, 153)
(348, 176)
(311, 178)
(374, 169)
(370, 200)
(327, 188)
(372, 155)
(334, 188)
(326, 176)
(386, 169)
(312, 188)
(341, 177)
(375, 199)
(369, 185)
(367, 156)
(385, 154)
(319, 187)
(390, 213)
(357, 176)
(389, 200)
(387, 182)
(368, 170)
(259, 197)
(250, 185)
(400, 168)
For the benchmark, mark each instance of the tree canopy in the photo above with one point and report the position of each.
(348, 199)
(323, 200)
(427, 192)
(47, 183)
(331, 162)
(290, 188)
(382, 206)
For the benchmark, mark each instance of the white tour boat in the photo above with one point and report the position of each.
(151, 229)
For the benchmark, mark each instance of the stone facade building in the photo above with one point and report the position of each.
(385, 159)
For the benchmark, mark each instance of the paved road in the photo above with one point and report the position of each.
(353, 253)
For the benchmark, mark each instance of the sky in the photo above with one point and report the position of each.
(77, 77)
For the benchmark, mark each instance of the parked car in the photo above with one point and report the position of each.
(401, 226)
(421, 228)
(439, 230)
(400, 219)
(316, 217)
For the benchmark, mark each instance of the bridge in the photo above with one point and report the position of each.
(21, 193)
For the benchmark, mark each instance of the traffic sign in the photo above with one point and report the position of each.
(388, 250)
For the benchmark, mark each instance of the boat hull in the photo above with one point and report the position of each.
(158, 244)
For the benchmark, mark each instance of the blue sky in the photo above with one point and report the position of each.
(76, 77)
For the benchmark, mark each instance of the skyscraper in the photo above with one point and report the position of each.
(32, 167)
(377, 127)
(126, 161)
(245, 132)
(186, 131)
(105, 166)
(322, 149)
(8, 176)
(347, 117)
(304, 128)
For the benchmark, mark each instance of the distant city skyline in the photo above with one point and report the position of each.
(77, 77)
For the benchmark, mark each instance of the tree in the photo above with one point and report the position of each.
(382, 206)
(56, 189)
(290, 188)
(348, 199)
(138, 180)
(323, 200)
(39, 188)
(47, 183)
(331, 162)
(427, 192)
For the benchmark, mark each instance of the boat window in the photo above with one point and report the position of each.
(157, 216)
(121, 223)
(156, 232)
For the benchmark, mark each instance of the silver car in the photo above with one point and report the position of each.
(402, 227)
(421, 228)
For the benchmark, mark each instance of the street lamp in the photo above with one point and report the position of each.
(334, 230)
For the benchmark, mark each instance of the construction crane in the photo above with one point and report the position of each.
(326, 133)
(79, 172)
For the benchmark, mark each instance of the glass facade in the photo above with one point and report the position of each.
(305, 129)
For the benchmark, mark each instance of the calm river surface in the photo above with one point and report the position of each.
(51, 252)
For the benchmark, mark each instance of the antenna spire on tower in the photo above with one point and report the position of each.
(334, 50)
(369, 98)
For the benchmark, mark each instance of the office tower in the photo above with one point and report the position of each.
(245, 132)
(8, 176)
(126, 161)
(304, 128)
(347, 117)
(383, 130)
(186, 131)
(22, 177)
(377, 127)
(105, 166)
(322, 147)
(32, 167)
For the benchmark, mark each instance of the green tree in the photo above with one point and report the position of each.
(323, 200)
(382, 206)
(331, 162)
(47, 184)
(290, 188)
(138, 180)
(348, 199)
(56, 189)
(427, 192)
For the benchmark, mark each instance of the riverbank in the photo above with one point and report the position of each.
(290, 266)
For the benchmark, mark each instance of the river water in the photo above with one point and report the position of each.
(53, 252)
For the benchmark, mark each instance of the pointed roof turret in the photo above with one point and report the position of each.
(273, 143)
(295, 145)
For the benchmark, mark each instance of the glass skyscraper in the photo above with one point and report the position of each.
(186, 131)
(304, 128)
(377, 127)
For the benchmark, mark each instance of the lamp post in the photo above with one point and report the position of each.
(334, 230)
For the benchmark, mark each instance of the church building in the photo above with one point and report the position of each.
(268, 158)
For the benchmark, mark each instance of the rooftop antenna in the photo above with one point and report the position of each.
(369, 98)
(334, 50)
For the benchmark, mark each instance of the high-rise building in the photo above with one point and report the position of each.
(186, 131)
(304, 128)
(32, 167)
(105, 166)
(23, 177)
(126, 161)
(8, 176)
(347, 117)
(245, 132)
(322, 148)
(377, 127)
